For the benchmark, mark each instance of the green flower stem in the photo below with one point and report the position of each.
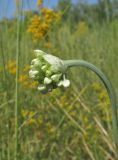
(111, 93)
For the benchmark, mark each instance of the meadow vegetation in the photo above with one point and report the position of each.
(70, 124)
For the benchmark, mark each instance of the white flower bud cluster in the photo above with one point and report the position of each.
(49, 71)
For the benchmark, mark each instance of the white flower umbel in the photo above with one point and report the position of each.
(49, 71)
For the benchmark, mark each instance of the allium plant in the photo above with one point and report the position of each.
(49, 71)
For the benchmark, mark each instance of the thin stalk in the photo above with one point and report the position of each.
(110, 90)
(8, 141)
(16, 87)
(2, 55)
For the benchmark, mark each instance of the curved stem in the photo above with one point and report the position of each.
(111, 93)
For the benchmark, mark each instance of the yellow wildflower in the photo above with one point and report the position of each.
(73, 113)
(33, 84)
(23, 78)
(50, 128)
(25, 84)
(39, 3)
(26, 68)
(29, 84)
(48, 45)
(40, 24)
(24, 113)
(82, 29)
(28, 115)
(31, 121)
(103, 95)
(13, 71)
(96, 86)
(31, 113)
(11, 66)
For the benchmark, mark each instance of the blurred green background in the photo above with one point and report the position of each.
(71, 124)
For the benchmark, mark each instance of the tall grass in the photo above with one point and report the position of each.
(71, 124)
(16, 81)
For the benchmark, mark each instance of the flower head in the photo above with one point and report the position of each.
(49, 71)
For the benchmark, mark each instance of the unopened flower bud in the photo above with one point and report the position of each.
(42, 88)
(48, 73)
(38, 53)
(44, 67)
(65, 83)
(47, 80)
(56, 77)
(33, 74)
